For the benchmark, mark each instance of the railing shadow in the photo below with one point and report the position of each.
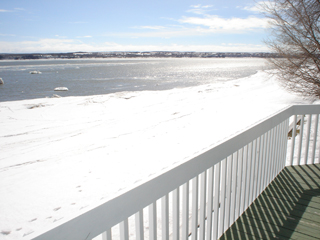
(287, 208)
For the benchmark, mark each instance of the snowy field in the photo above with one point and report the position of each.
(62, 156)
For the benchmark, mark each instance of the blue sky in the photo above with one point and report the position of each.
(29, 26)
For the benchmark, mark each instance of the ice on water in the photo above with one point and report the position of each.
(62, 156)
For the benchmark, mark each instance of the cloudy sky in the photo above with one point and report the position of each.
(30, 26)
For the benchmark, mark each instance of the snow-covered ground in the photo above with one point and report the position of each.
(61, 156)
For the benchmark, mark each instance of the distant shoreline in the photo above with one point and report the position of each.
(102, 55)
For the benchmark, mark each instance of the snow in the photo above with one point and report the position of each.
(61, 156)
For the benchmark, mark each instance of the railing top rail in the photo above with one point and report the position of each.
(98, 219)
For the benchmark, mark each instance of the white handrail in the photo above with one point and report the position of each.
(224, 180)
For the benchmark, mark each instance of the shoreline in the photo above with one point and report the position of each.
(89, 149)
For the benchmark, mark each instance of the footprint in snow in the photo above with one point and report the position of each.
(32, 220)
(5, 232)
(56, 209)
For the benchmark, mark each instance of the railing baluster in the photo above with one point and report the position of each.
(268, 143)
(176, 215)
(293, 138)
(318, 151)
(285, 145)
(195, 190)
(222, 196)
(124, 230)
(243, 178)
(259, 164)
(281, 145)
(210, 203)
(268, 157)
(216, 200)
(229, 190)
(239, 185)
(262, 162)
(252, 174)
(107, 235)
(309, 119)
(153, 221)
(165, 216)
(203, 204)
(315, 134)
(231, 185)
(301, 139)
(139, 225)
(256, 176)
(234, 188)
(185, 211)
(276, 157)
(248, 176)
(273, 155)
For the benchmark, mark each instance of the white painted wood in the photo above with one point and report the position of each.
(263, 161)
(203, 191)
(234, 188)
(243, 181)
(293, 139)
(185, 211)
(300, 140)
(153, 221)
(239, 183)
(315, 134)
(107, 235)
(248, 176)
(258, 166)
(229, 191)
(217, 170)
(139, 225)
(195, 190)
(267, 159)
(176, 214)
(281, 146)
(275, 156)
(286, 143)
(272, 155)
(96, 220)
(165, 216)
(210, 203)
(253, 164)
(124, 230)
(307, 139)
(255, 167)
(285, 140)
(223, 176)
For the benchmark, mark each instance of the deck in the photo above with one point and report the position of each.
(289, 208)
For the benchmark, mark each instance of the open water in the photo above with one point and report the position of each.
(102, 76)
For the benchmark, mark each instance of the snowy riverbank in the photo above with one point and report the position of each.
(61, 156)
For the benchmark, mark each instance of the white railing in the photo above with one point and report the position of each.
(202, 198)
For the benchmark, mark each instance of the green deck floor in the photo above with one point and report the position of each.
(289, 208)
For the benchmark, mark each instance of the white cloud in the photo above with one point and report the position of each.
(4, 10)
(58, 36)
(199, 9)
(87, 36)
(218, 24)
(7, 35)
(257, 7)
(70, 45)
